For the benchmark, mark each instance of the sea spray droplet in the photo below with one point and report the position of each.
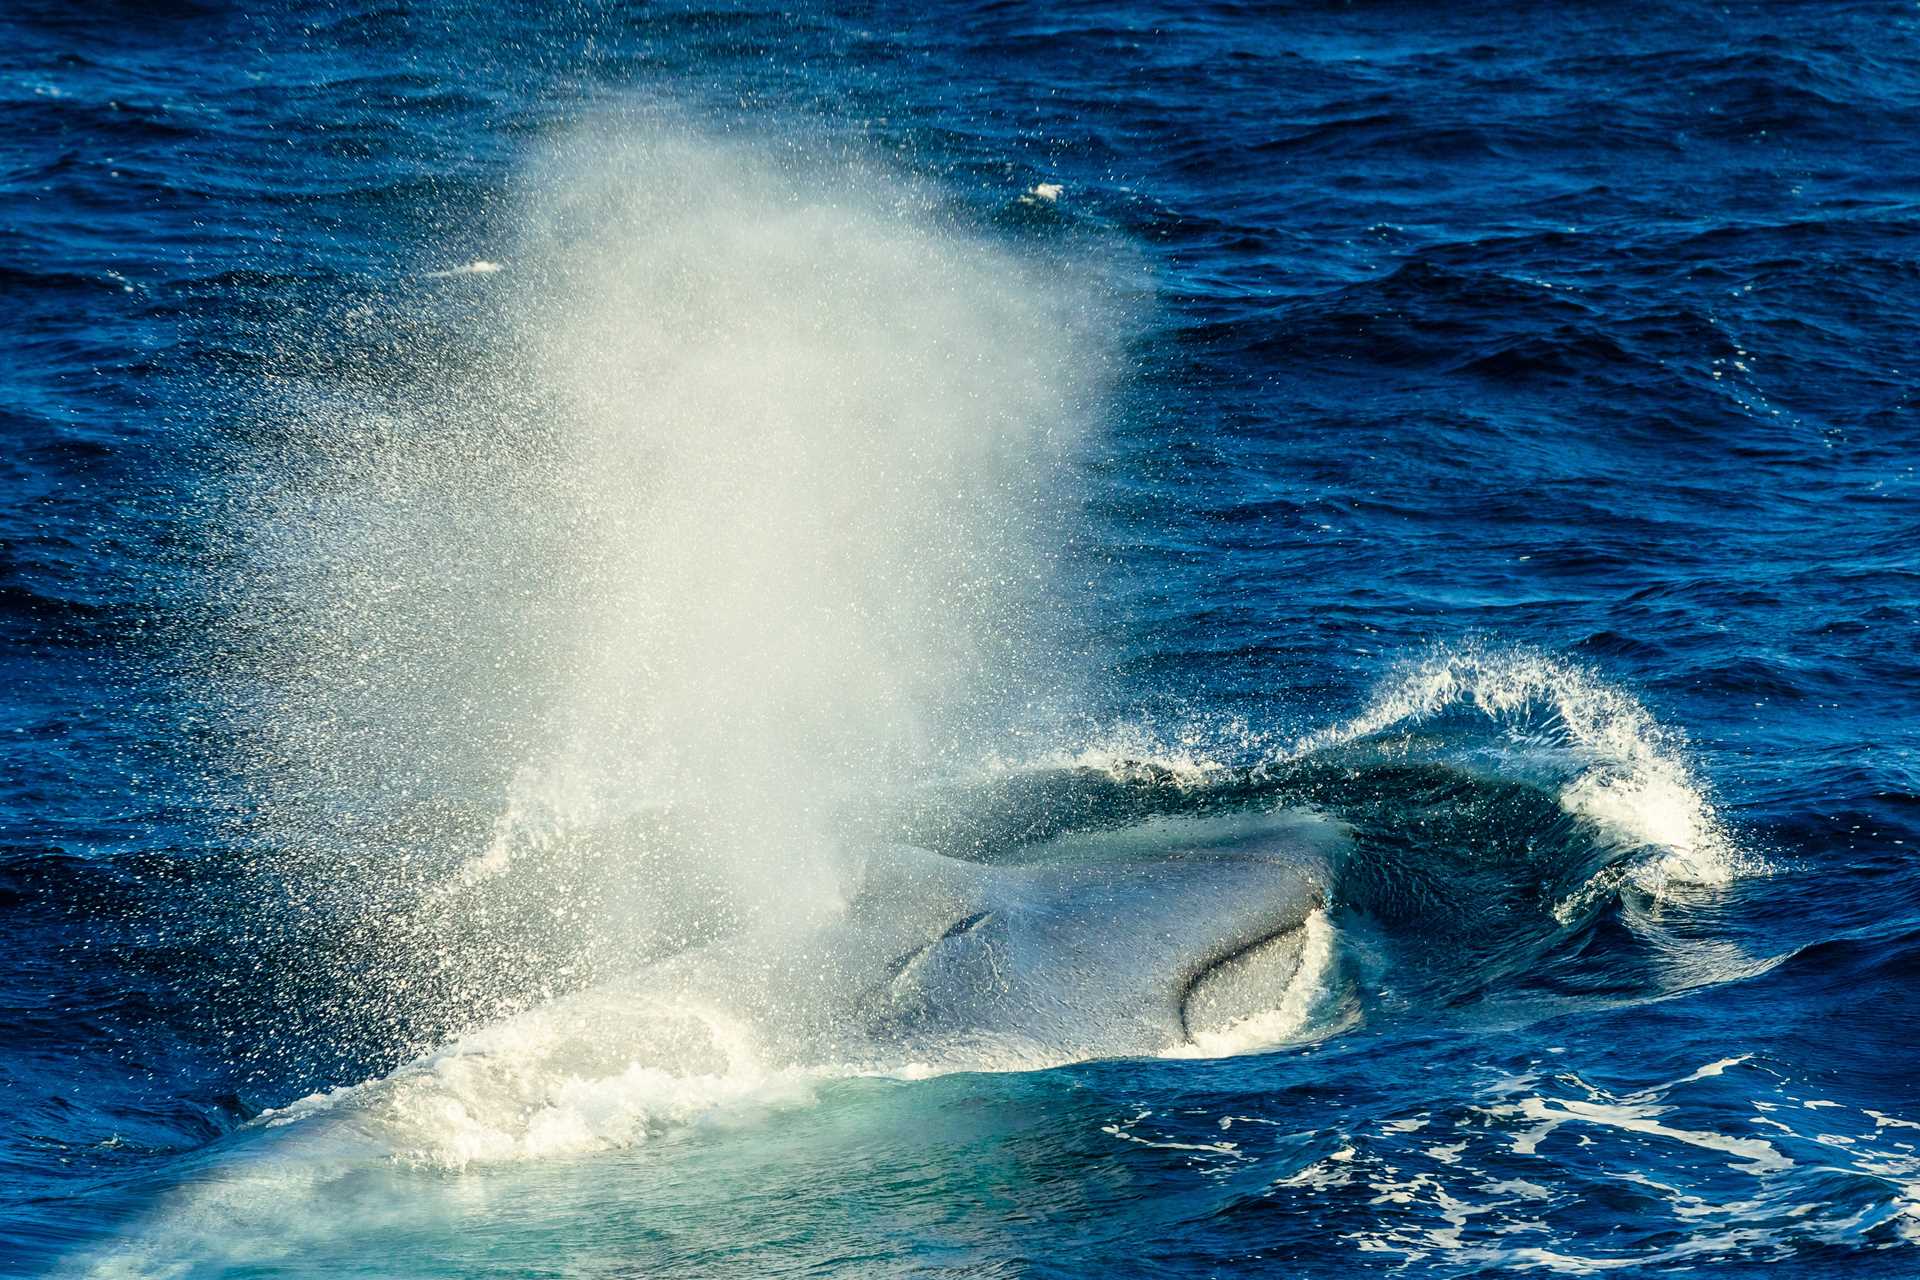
(478, 267)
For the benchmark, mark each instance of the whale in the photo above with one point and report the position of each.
(1174, 937)
(1157, 939)
(1179, 936)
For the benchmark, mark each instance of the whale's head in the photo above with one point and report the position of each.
(1164, 938)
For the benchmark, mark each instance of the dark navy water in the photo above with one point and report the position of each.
(479, 482)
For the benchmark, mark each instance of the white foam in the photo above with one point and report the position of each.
(1467, 1207)
(596, 1072)
(1753, 1155)
(752, 513)
(1291, 1017)
(1622, 770)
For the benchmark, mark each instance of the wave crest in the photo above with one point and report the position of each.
(1612, 763)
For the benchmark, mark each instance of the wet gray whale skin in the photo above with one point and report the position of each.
(1123, 945)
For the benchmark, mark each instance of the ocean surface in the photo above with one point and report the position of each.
(533, 545)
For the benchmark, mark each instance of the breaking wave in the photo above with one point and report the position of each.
(1611, 761)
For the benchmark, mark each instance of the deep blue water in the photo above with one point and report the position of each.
(480, 483)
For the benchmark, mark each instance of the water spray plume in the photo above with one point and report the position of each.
(751, 511)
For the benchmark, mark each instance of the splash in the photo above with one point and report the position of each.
(1614, 764)
(599, 1071)
(738, 503)
(1191, 757)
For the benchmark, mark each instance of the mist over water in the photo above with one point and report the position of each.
(752, 509)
